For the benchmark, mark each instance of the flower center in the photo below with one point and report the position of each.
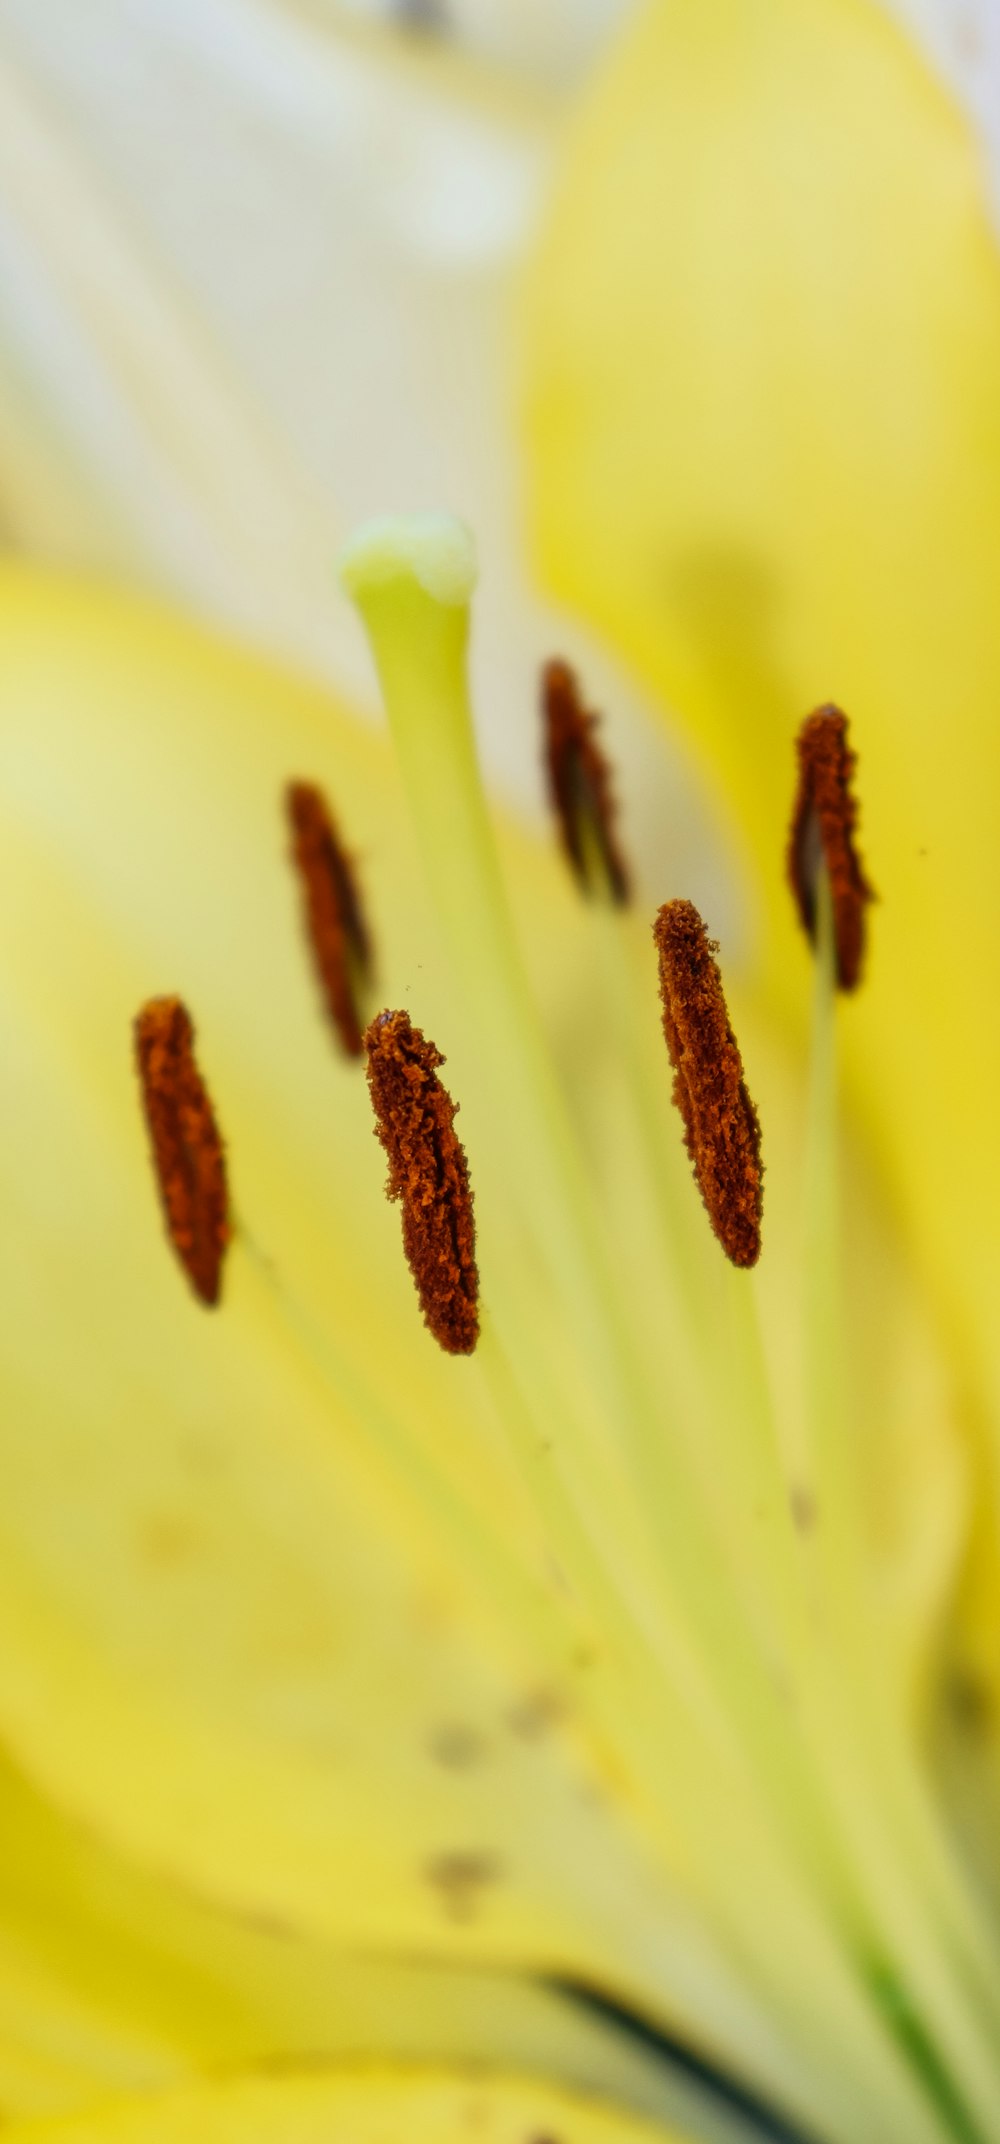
(701, 1596)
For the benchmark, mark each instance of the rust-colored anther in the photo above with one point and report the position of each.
(334, 918)
(721, 1130)
(580, 787)
(823, 823)
(187, 1150)
(428, 1173)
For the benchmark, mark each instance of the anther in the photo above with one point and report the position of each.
(580, 788)
(187, 1150)
(332, 911)
(721, 1130)
(823, 823)
(428, 1173)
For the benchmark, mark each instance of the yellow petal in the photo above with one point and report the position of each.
(365, 2106)
(764, 344)
(114, 1980)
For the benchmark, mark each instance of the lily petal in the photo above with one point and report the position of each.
(213, 364)
(367, 2106)
(114, 1980)
(550, 40)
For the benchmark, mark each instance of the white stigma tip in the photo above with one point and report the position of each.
(437, 550)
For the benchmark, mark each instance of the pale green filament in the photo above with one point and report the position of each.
(499, 1573)
(710, 1329)
(826, 1409)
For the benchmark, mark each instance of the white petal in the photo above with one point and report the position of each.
(256, 274)
(552, 40)
(962, 40)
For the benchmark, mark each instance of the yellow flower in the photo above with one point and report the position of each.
(398, 1651)
(417, 1702)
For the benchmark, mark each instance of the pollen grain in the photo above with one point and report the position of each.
(721, 1128)
(428, 1174)
(187, 1151)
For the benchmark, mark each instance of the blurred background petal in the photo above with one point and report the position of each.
(258, 275)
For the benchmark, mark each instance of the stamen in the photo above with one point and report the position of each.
(429, 1174)
(721, 1129)
(823, 822)
(580, 786)
(187, 1149)
(334, 918)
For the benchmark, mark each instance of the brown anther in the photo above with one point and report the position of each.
(823, 823)
(721, 1130)
(428, 1173)
(334, 918)
(187, 1150)
(580, 787)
